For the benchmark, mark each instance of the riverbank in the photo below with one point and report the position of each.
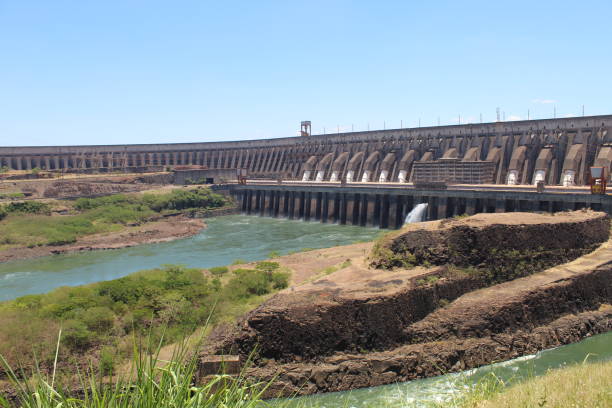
(154, 231)
(151, 298)
(581, 385)
(39, 228)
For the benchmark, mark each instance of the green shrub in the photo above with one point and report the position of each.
(280, 280)
(175, 277)
(113, 200)
(184, 199)
(99, 319)
(31, 302)
(248, 282)
(256, 282)
(428, 280)
(28, 207)
(125, 290)
(107, 361)
(266, 266)
(3, 212)
(190, 181)
(76, 335)
(164, 304)
(218, 270)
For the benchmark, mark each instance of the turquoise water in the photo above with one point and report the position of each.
(439, 390)
(224, 240)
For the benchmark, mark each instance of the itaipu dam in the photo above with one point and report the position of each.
(377, 177)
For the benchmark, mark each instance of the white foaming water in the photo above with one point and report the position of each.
(417, 214)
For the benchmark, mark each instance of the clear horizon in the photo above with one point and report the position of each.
(152, 72)
(331, 133)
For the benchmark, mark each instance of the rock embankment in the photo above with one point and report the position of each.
(447, 309)
(508, 244)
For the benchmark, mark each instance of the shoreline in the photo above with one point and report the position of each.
(152, 232)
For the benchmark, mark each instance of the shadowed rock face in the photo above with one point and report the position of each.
(364, 327)
(508, 245)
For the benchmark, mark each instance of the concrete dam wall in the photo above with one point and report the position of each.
(387, 206)
(556, 151)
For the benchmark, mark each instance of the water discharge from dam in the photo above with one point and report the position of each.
(437, 391)
(417, 214)
(224, 240)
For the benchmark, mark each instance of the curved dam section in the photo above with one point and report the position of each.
(556, 151)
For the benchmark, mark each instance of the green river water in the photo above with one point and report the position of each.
(442, 390)
(253, 238)
(224, 240)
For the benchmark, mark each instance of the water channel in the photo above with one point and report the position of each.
(443, 390)
(224, 240)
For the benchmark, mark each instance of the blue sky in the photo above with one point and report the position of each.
(98, 72)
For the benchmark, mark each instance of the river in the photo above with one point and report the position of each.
(437, 391)
(252, 238)
(224, 240)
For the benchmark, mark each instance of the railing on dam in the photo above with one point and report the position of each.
(555, 151)
(387, 206)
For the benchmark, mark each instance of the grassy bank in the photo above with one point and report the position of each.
(581, 385)
(151, 383)
(32, 223)
(99, 320)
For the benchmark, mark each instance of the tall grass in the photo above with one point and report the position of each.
(150, 382)
(580, 385)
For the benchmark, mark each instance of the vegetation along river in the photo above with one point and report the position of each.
(439, 391)
(224, 240)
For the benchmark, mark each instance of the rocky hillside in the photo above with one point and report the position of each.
(509, 245)
(435, 297)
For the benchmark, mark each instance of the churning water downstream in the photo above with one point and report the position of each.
(224, 240)
(443, 390)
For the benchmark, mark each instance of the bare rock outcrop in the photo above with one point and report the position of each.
(475, 290)
(508, 245)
